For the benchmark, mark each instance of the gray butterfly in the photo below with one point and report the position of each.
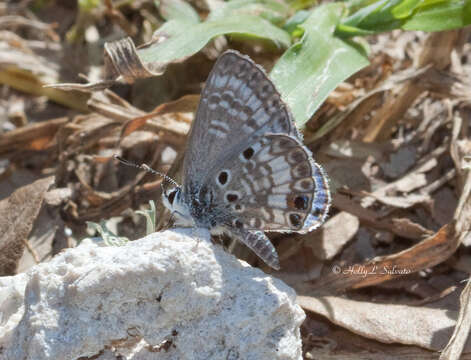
(245, 170)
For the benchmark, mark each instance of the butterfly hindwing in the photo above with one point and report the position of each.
(273, 184)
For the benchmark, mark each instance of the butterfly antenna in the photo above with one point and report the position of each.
(146, 168)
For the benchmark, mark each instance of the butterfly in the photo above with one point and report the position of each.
(245, 169)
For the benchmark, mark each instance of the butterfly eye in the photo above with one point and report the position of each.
(171, 196)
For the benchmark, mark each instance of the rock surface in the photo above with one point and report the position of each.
(166, 296)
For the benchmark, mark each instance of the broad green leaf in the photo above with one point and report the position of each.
(310, 69)
(301, 4)
(292, 25)
(379, 16)
(177, 10)
(439, 16)
(183, 40)
(405, 8)
(369, 17)
(272, 10)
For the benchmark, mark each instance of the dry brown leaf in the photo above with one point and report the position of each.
(397, 104)
(429, 328)
(19, 211)
(336, 232)
(186, 103)
(122, 64)
(427, 253)
(402, 202)
(27, 71)
(401, 227)
(37, 136)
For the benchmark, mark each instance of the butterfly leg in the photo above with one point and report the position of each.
(261, 245)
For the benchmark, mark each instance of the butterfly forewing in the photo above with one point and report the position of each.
(238, 104)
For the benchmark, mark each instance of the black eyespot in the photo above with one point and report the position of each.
(171, 196)
(232, 197)
(237, 207)
(222, 178)
(248, 153)
(301, 202)
(295, 219)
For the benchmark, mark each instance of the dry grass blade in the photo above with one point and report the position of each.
(36, 137)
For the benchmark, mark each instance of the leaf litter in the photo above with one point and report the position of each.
(385, 277)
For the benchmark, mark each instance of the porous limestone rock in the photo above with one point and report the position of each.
(166, 296)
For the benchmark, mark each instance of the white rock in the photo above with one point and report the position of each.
(166, 296)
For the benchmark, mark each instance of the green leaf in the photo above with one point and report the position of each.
(383, 15)
(177, 10)
(183, 40)
(310, 69)
(439, 16)
(292, 25)
(301, 4)
(272, 10)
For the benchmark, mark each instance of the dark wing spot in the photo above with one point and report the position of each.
(301, 202)
(237, 207)
(222, 178)
(295, 220)
(232, 197)
(248, 153)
